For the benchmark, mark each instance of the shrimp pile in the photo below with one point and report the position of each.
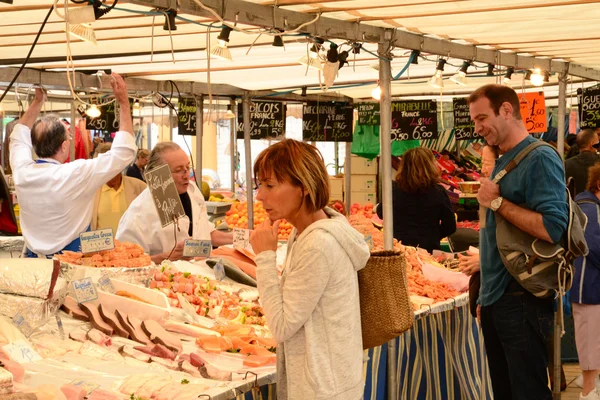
(124, 255)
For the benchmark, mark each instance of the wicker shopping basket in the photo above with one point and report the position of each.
(385, 307)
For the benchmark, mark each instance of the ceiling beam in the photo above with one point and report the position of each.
(244, 12)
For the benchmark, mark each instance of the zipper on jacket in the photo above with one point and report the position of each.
(581, 282)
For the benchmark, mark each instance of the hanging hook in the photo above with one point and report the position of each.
(255, 378)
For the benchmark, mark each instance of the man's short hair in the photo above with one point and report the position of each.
(585, 137)
(498, 95)
(47, 135)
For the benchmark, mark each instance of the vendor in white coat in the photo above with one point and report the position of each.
(141, 224)
(56, 199)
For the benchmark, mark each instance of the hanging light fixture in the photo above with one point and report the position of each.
(93, 111)
(312, 60)
(437, 80)
(278, 39)
(136, 109)
(508, 76)
(460, 77)
(170, 20)
(490, 70)
(220, 50)
(535, 77)
(229, 114)
(546, 77)
(79, 20)
(84, 32)
(415, 57)
(376, 93)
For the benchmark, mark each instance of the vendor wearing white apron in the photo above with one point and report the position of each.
(56, 199)
(141, 224)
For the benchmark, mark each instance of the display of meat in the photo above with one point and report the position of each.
(188, 329)
(111, 319)
(99, 338)
(6, 381)
(157, 350)
(152, 387)
(91, 310)
(159, 335)
(135, 332)
(124, 255)
(78, 336)
(73, 392)
(100, 394)
(72, 308)
(130, 351)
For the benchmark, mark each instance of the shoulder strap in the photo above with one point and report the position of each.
(519, 157)
(586, 201)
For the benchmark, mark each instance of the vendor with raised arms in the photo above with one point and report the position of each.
(141, 223)
(56, 199)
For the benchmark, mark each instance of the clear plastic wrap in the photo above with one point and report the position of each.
(26, 276)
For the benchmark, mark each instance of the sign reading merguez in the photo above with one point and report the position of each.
(327, 122)
(414, 120)
(267, 120)
(164, 193)
(186, 116)
(464, 128)
(589, 109)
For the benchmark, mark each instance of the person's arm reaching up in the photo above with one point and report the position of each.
(30, 116)
(120, 92)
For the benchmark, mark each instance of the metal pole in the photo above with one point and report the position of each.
(199, 136)
(73, 130)
(233, 143)
(348, 176)
(3, 161)
(385, 76)
(336, 157)
(170, 124)
(562, 108)
(247, 147)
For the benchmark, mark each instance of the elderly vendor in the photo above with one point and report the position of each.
(56, 199)
(141, 223)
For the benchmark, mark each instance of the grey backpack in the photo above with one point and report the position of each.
(544, 269)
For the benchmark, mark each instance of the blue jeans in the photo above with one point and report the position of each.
(515, 329)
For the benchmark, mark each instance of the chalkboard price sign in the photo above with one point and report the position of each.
(109, 118)
(590, 109)
(414, 120)
(164, 193)
(368, 114)
(327, 122)
(463, 126)
(267, 120)
(186, 112)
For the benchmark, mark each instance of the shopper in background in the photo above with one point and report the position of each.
(136, 170)
(422, 211)
(141, 223)
(314, 310)
(514, 322)
(577, 167)
(56, 199)
(114, 197)
(585, 293)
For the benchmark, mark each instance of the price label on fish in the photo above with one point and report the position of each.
(21, 352)
(99, 240)
(23, 324)
(89, 387)
(219, 270)
(106, 284)
(84, 290)
(369, 241)
(241, 238)
(197, 248)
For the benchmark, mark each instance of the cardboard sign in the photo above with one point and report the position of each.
(464, 128)
(197, 248)
(267, 120)
(106, 285)
(219, 270)
(327, 122)
(369, 114)
(241, 238)
(21, 352)
(95, 241)
(533, 112)
(186, 113)
(164, 193)
(84, 290)
(414, 120)
(589, 109)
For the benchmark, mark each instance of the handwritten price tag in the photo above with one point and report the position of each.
(106, 284)
(197, 248)
(219, 270)
(99, 240)
(21, 352)
(369, 241)
(533, 112)
(84, 290)
(241, 238)
(87, 386)
(23, 324)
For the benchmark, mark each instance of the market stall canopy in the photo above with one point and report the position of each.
(556, 36)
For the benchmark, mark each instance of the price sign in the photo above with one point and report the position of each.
(464, 128)
(369, 241)
(414, 120)
(327, 122)
(197, 248)
(267, 120)
(84, 290)
(241, 238)
(368, 114)
(164, 193)
(23, 324)
(109, 118)
(99, 240)
(21, 352)
(89, 387)
(533, 112)
(219, 270)
(186, 112)
(106, 285)
(589, 109)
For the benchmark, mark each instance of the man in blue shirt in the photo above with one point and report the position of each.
(532, 197)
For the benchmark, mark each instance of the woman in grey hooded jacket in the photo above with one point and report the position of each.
(313, 310)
